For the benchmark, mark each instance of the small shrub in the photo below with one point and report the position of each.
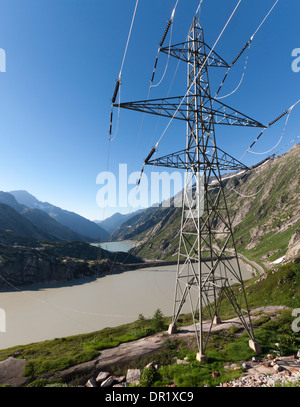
(262, 320)
(234, 329)
(141, 318)
(158, 321)
(287, 343)
(148, 377)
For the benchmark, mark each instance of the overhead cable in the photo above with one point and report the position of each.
(288, 144)
(288, 112)
(247, 45)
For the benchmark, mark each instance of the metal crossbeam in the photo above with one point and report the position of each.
(183, 159)
(181, 109)
(180, 51)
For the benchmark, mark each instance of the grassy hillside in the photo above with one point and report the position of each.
(265, 223)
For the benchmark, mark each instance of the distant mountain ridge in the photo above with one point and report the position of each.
(15, 222)
(83, 227)
(111, 223)
(33, 221)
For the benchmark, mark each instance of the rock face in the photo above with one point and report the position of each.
(294, 246)
(24, 266)
(133, 376)
(54, 262)
(11, 372)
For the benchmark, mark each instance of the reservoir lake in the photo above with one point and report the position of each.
(81, 306)
(123, 246)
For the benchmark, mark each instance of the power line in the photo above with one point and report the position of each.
(247, 45)
(288, 112)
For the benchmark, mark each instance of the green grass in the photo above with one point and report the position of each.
(279, 288)
(223, 349)
(273, 242)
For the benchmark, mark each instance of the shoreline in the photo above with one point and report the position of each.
(120, 269)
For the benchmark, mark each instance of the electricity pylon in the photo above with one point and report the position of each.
(208, 267)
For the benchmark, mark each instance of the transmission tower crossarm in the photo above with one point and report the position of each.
(180, 160)
(180, 51)
(180, 108)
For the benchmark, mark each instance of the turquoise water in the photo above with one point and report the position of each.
(123, 246)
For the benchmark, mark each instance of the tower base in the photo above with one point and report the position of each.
(201, 358)
(255, 346)
(217, 320)
(172, 329)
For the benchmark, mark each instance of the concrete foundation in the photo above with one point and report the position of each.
(255, 346)
(201, 358)
(172, 329)
(217, 320)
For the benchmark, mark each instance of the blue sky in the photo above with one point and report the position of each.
(64, 56)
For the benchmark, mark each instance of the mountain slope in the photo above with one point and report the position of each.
(113, 222)
(8, 199)
(41, 220)
(155, 228)
(264, 211)
(58, 262)
(48, 225)
(267, 224)
(71, 220)
(13, 221)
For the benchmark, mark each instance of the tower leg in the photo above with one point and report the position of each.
(254, 345)
(217, 320)
(172, 329)
(200, 357)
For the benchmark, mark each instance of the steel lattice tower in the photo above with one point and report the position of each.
(208, 264)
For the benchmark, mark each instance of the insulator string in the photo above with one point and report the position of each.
(118, 83)
(288, 112)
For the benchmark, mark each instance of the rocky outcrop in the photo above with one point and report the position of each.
(105, 379)
(22, 266)
(11, 372)
(267, 372)
(294, 246)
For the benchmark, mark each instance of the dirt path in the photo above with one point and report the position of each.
(260, 270)
(252, 263)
